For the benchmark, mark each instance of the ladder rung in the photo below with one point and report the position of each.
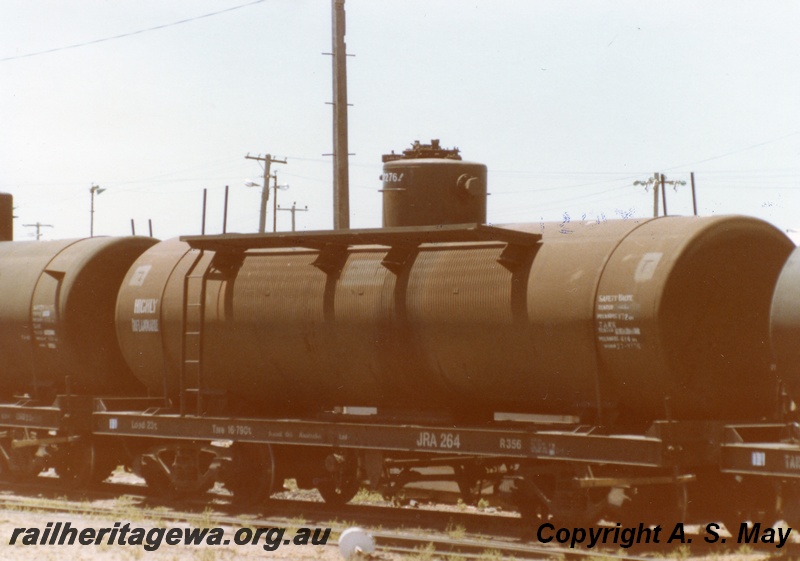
(194, 301)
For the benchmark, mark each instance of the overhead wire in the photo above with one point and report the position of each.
(130, 33)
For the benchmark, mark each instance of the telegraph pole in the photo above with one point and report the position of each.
(293, 210)
(275, 207)
(659, 182)
(38, 227)
(268, 161)
(341, 182)
(275, 202)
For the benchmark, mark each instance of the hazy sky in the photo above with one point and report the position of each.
(568, 103)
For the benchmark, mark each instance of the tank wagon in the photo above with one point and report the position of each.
(632, 321)
(613, 368)
(57, 339)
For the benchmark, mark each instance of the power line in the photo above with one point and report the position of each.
(129, 34)
(731, 153)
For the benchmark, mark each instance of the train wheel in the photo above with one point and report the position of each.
(533, 498)
(177, 471)
(471, 479)
(20, 463)
(749, 500)
(341, 483)
(76, 464)
(665, 504)
(788, 507)
(556, 497)
(156, 472)
(250, 474)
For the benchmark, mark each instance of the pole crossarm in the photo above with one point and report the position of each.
(38, 227)
(268, 161)
(659, 182)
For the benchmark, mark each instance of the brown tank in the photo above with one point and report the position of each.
(785, 325)
(57, 315)
(428, 185)
(635, 319)
(6, 217)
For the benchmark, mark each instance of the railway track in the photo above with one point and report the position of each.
(283, 506)
(398, 532)
(403, 542)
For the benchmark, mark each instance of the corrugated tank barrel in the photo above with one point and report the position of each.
(57, 315)
(642, 319)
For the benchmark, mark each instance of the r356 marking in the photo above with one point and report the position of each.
(511, 443)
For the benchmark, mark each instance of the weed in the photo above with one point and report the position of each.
(456, 532)
(365, 496)
(491, 555)
(425, 553)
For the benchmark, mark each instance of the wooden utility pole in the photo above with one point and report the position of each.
(659, 182)
(656, 185)
(341, 173)
(275, 202)
(293, 210)
(38, 227)
(268, 161)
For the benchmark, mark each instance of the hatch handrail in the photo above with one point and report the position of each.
(403, 235)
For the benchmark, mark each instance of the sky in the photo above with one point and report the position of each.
(568, 103)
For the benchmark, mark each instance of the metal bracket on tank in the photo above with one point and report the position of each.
(515, 256)
(398, 257)
(331, 259)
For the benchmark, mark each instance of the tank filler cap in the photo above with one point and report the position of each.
(419, 150)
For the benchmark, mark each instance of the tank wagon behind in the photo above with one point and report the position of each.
(6, 217)
(785, 325)
(57, 316)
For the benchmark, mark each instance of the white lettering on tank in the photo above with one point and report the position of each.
(145, 305)
(144, 325)
(647, 266)
(139, 275)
